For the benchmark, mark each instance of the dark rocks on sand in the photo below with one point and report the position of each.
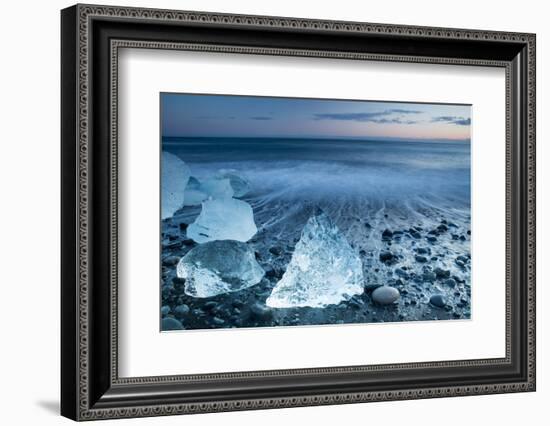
(431, 239)
(273, 273)
(423, 250)
(218, 321)
(210, 305)
(387, 257)
(421, 259)
(415, 234)
(170, 261)
(438, 300)
(178, 281)
(171, 324)
(182, 310)
(260, 310)
(275, 250)
(385, 295)
(442, 273)
(387, 234)
(450, 282)
(402, 273)
(429, 276)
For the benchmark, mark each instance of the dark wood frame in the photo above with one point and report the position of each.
(91, 37)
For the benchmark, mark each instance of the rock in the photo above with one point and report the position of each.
(421, 259)
(450, 282)
(219, 267)
(218, 321)
(423, 250)
(181, 310)
(415, 234)
(387, 234)
(460, 263)
(225, 219)
(209, 306)
(442, 273)
(275, 250)
(385, 295)
(177, 281)
(165, 310)
(438, 300)
(402, 273)
(273, 273)
(169, 324)
(324, 268)
(172, 245)
(387, 257)
(429, 276)
(431, 239)
(175, 174)
(260, 310)
(463, 259)
(442, 228)
(170, 261)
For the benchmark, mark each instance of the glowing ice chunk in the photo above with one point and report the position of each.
(324, 268)
(223, 219)
(175, 174)
(219, 267)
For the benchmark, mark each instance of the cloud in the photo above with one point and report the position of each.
(452, 119)
(381, 117)
(261, 118)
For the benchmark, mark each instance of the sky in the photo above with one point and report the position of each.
(196, 115)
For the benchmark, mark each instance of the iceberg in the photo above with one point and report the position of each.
(324, 268)
(223, 219)
(240, 185)
(219, 267)
(175, 174)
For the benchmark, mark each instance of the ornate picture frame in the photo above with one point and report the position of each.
(91, 38)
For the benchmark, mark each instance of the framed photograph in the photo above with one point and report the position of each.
(263, 212)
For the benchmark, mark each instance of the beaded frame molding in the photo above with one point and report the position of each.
(91, 39)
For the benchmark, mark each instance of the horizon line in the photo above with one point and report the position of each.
(363, 138)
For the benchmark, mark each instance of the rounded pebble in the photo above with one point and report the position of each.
(182, 310)
(438, 300)
(171, 324)
(385, 295)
